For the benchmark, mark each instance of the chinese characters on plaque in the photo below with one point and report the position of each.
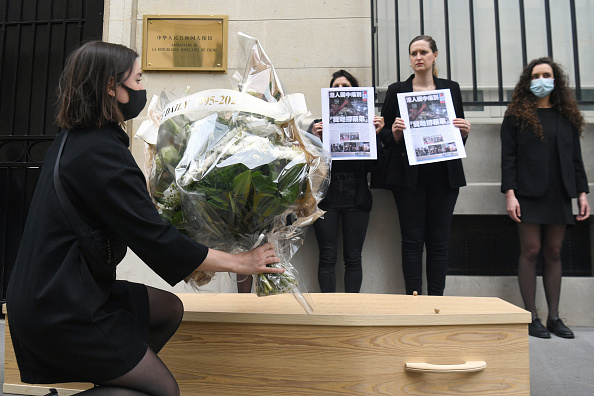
(185, 43)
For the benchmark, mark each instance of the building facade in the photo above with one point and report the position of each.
(308, 40)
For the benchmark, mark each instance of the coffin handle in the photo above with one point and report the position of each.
(468, 367)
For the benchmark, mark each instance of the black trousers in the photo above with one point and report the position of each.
(425, 216)
(339, 205)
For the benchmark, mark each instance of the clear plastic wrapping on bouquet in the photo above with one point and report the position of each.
(233, 170)
(147, 132)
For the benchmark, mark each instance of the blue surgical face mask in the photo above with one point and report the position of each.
(541, 87)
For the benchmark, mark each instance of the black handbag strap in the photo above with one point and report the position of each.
(65, 201)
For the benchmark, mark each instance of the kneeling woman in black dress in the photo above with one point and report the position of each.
(542, 170)
(65, 325)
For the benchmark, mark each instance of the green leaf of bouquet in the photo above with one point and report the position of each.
(263, 183)
(222, 178)
(178, 219)
(170, 126)
(169, 156)
(167, 216)
(267, 205)
(221, 201)
(289, 179)
(163, 183)
(242, 184)
(291, 193)
(212, 223)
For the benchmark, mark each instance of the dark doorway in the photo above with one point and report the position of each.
(36, 36)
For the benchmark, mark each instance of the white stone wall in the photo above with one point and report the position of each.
(307, 41)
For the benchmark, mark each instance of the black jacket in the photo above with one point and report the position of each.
(395, 170)
(63, 325)
(525, 160)
(361, 168)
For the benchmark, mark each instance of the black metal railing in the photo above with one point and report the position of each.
(502, 96)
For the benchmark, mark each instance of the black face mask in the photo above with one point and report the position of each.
(135, 104)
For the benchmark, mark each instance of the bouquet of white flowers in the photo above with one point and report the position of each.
(233, 169)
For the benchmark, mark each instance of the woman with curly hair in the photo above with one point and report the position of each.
(542, 170)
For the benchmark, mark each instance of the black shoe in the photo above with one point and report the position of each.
(536, 329)
(557, 327)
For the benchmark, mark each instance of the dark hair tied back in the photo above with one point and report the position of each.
(426, 38)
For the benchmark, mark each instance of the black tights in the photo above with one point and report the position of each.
(150, 376)
(531, 236)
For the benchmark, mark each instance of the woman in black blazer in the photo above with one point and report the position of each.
(425, 194)
(542, 170)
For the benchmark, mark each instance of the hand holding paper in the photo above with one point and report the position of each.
(463, 125)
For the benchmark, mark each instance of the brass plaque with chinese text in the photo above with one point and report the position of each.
(184, 43)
